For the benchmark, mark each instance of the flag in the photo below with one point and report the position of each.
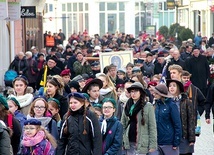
(44, 80)
(164, 73)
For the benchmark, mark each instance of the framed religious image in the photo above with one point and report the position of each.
(119, 59)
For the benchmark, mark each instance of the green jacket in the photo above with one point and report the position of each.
(146, 135)
(79, 69)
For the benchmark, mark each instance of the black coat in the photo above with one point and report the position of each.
(159, 68)
(179, 62)
(211, 41)
(75, 141)
(19, 65)
(54, 71)
(63, 104)
(199, 68)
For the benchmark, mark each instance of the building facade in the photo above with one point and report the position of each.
(100, 16)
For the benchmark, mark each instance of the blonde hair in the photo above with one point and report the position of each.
(176, 67)
(48, 136)
(109, 84)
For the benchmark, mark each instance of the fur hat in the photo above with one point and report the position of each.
(74, 84)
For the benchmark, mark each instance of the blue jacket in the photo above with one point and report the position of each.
(112, 144)
(168, 123)
(20, 117)
(197, 40)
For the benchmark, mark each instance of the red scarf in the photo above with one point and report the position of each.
(186, 85)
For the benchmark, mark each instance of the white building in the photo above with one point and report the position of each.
(100, 16)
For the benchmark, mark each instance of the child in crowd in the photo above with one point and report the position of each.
(39, 111)
(54, 107)
(111, 128)
(14, 108)
(36, 140)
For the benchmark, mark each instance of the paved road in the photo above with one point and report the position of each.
(205, 143)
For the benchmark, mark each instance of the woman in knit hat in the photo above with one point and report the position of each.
(138, 119)
(14, 108)
(111, 128)
(80, 132)
(12, 124)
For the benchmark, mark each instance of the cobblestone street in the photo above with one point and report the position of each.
(205, 143)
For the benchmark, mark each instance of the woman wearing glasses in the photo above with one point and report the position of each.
(111, 128)
(39, 111)
(139, 125)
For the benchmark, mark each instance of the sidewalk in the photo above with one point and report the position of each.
(205, 143)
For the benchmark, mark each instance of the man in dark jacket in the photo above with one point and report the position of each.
(188, 53)
(211, 40)
(198, 66)
(52, 69)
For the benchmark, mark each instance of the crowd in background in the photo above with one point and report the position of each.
(62, 102)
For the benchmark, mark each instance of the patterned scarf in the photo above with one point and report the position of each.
(32, 141)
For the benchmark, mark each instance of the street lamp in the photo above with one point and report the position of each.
(177, 3)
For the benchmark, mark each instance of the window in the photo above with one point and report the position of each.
(121, 6)
(102, 6)
(64, 23)
(111, 6)
(69, 7)
(102, 24)
(74, 7)
(86, 6)
(80, 6)
(63, 7)
(86, 21)
(122, 22)
(50, 7)
(46, 8)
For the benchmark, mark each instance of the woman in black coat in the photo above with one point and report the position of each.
(4, 139)
(80, 133)
(19, 64)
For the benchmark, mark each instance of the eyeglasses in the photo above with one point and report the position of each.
(134, 91)
(30, 128)
(39, 108)
(107, 107)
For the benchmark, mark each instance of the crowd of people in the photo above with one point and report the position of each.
(62, 102)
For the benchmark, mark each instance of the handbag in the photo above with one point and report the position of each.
(198, 126)
(159, 151)
(31, 68)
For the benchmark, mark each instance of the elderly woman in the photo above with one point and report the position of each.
(19, 64)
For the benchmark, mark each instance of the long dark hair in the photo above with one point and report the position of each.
(143, 103)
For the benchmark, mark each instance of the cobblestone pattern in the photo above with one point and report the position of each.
(205, 143)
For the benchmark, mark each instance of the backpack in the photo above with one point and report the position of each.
(9, 76)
